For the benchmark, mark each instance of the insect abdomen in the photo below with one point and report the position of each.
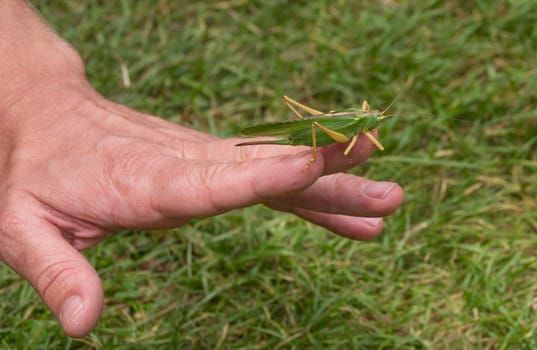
(303, 137)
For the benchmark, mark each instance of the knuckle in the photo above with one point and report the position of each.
(210, 186)
(56, 278)
(13, 221)
(124, 167)
(16, 211)
(12, 233)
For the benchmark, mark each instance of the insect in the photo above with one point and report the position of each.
(319, 129)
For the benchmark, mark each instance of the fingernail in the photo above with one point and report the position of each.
(372, 221)
(70, 312)
(377, 190)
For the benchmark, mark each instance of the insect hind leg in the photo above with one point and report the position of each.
(293, 105)
(351, 145)
(336, 136)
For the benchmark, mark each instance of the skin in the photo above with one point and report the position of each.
(76, 167)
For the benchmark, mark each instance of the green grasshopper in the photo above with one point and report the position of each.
(319, 129)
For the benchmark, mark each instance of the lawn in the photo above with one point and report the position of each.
(456, 266)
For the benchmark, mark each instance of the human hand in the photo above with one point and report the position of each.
(76, 167)
(97, 167)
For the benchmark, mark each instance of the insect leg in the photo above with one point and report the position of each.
(313, 147)
(351, 145)
(297, 113)
(374, 140)
(336, 136)
(292, 103)
(365, 108)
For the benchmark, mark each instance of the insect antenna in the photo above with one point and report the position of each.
(406, 114)
(391, 104)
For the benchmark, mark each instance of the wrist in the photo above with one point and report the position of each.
(34, 58)
(40, 74)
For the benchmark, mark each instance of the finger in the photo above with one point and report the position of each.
(226, 149)
(337, 161)
(64, 279)
(194, 189)
(347, 195)
(356, 228)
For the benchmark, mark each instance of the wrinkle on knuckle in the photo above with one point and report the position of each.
(15, 226)
(254, 189)
(10, 236)
(125, 168)
(372, 208)
(56, 277)
(11, 100)
(170, 188)
(245, 153)
(338, 181)
(210, 186)
(330, 194)
(14, 219)
(10, 221)
(181, 148)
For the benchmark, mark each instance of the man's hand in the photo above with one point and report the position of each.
(75, 167)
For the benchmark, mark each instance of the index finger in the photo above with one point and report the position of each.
(335, 160)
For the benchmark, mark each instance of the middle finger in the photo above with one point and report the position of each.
(345, 194)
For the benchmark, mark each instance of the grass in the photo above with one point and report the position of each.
(456, 265)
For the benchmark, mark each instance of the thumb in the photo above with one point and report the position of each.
(64, 279)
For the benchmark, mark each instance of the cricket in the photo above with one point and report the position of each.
(319, 128)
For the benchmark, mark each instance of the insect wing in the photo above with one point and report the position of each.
(279, 129)
(298, 132)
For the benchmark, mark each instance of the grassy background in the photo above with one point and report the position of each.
(456, 266)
